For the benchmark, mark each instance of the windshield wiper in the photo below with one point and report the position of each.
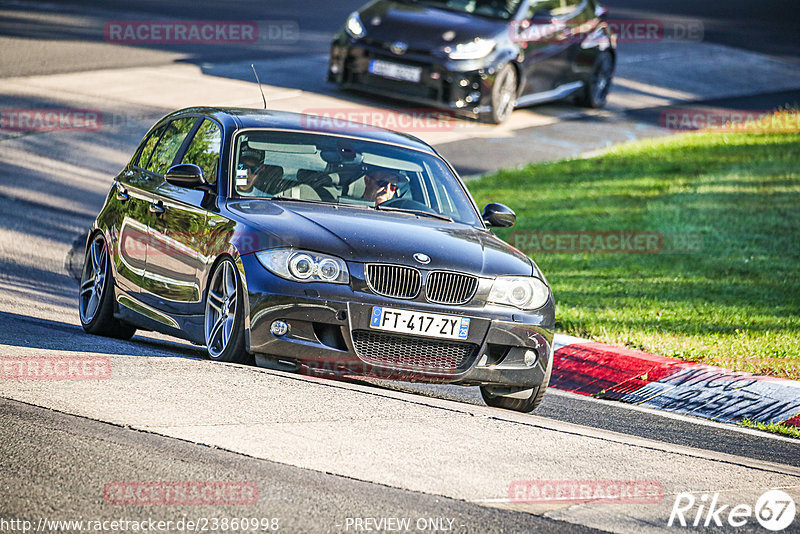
(415, 212)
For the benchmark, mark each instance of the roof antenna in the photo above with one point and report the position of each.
(259, 85)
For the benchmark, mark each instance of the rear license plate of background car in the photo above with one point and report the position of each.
(419, 324)
(395, 71)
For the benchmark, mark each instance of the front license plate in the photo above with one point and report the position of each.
(395, 71)
(419, 324)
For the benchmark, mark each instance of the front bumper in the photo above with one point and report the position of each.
(329, 331)
(463, 87)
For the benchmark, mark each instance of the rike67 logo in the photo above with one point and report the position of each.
(774, 510)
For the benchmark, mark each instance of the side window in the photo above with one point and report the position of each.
(170, 143)
(204, 150)
(149, 145)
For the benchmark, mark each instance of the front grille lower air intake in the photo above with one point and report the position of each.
(408, 352)
(394, 281)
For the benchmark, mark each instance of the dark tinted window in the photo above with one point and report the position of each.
(149, 145)
(204, 150)
(555, 8)
(169, 144)
(347, 172)
(494, 9)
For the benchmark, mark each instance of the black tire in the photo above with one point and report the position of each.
(595, 91)
(224, 315)
(96, 297)
(504, 96)
(519, 405)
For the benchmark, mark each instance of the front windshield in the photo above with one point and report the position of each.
(495, 9)
(344, 171)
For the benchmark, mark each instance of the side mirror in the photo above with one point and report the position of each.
(186, 175)
(499, 215)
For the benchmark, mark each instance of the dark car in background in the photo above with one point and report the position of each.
(482, 58)
(338, 251)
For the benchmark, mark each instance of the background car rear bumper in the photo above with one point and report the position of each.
(329, 332)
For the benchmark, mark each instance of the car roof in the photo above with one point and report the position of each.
(242, 118)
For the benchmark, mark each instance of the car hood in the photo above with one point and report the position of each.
(422, 27)
(364, 235)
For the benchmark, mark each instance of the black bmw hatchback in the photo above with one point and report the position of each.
(482, 58)
(337, 251)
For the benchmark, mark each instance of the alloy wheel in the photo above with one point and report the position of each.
(93, 280)
(221, 308)
(506, 100)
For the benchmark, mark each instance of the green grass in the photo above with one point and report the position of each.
(725, 289)
(784, 430)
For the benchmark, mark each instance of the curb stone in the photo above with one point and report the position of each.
(635, 377)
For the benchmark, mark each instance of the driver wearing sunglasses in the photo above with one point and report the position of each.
(254, 177)
(380, 185)
(251, 162)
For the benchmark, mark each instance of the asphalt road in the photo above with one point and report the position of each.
(320, 451)
(766, 27)
(67, 36)
(50, 453)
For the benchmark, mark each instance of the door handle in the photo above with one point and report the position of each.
(122, 195)
(157, 208)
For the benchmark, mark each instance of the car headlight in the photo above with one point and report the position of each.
(354, 27)
(302, 266)
(524, 292)
(477, 49)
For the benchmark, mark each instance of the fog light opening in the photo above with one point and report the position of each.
(279, 328)
(473, 96)
(530, 358)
